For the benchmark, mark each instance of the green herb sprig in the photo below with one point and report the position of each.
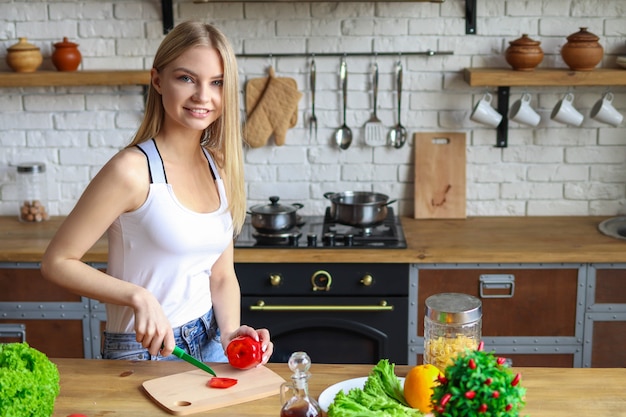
(478, 384)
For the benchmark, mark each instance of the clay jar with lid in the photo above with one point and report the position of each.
(582, 52)
(524, 54)
(66, 56)
(24, 56)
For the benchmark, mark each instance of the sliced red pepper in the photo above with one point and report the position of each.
(217, 382)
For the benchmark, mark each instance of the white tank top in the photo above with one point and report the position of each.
(167, 248)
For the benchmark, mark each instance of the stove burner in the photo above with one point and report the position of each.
(323, 232)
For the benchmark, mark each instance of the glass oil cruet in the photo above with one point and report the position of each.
(300, 404)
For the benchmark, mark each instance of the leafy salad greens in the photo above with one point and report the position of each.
(382, 395)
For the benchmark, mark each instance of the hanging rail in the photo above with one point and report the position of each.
(343, 54)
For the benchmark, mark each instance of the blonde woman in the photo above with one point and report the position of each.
(171, 203)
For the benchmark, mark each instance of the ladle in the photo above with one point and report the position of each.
(343, 135)
(397, 135)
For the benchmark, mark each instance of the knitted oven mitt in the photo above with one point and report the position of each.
(273, 112)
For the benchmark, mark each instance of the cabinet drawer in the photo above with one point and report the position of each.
(610, 286)
(24, 285)
(55, 338)
(541, 303)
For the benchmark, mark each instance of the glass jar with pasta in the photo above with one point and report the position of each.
(452, 324)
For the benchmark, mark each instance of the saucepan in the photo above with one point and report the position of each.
(274, 217)
(358, 208)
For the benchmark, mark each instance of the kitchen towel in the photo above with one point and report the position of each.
(273, 112)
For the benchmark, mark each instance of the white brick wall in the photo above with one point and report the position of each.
(550, 170)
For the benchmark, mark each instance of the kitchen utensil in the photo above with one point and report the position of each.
(187, 393)
(439, 175)
(274, 217)
(190, 359)
(522, 112)
(397, 135)
(313, 119)
(358, 208)
(374, 129)
(343, 135)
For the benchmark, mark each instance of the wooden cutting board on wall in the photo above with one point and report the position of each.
(440, 175)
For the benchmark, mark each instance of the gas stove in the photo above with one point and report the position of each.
(322, 232)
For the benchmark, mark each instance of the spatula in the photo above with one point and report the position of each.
(374, 128)
(190, 359)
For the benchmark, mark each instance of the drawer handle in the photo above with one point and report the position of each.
(261, 306)
(497, 282)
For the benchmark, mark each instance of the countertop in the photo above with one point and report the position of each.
(564, 239)
(113, 388)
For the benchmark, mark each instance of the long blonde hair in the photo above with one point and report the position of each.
(223, 138)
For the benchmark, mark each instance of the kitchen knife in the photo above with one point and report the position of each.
(188, 358)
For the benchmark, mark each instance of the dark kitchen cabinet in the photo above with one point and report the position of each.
(532, 314)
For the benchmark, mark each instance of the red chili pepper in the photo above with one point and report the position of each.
(488, 381)
(222, 383)
(482, 408)
(471, 364)
(501, 361)
(496, 394)
(442, 379)
(481, 346)
(516, 380)
(508, 407)
(470, 394)
(445, 399)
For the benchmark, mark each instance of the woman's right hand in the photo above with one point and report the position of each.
(152, 328)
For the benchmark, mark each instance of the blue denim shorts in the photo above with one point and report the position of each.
(200, 338)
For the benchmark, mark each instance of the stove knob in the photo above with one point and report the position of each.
(348, 240)
(311, 239)
(329, 239)
(276, 280)
(293, 240)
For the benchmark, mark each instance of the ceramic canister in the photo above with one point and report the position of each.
(66, 56)
(24, 56)
(582, 52)
(524, 54)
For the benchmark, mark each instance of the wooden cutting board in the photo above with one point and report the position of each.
(439, 175)
(187, 393)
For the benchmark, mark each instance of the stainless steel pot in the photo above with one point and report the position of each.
(274, 217)
(358, 208)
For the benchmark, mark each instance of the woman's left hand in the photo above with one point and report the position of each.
(262, 335)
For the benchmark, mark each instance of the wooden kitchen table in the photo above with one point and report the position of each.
(111, 388)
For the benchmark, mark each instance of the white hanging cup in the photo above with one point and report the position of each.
(565, 112)
(603, 111)
(522, 112)
(484, 113)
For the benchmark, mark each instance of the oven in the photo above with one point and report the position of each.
(337, 313)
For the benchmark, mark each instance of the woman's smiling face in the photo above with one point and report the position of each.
(191, 89)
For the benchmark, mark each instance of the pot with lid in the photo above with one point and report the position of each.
(274, 217)
(358, 208)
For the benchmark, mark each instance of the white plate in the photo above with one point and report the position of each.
(328, 395)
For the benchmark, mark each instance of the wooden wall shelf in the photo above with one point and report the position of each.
(74, 78)
(496, 77)
(505, 78)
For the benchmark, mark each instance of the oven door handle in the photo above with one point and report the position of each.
(261, 306)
